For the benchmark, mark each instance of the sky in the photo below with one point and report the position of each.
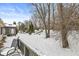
(10, 12)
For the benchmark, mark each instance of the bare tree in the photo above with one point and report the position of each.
(67, 15)
(48, 35)
(26, 23)
(34, 20)
(63, 28)
(53, 11)
(42, 11)
(19, 25)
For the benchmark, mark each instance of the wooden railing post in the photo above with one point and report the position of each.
(24, 50)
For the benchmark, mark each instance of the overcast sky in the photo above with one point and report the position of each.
(10, 12)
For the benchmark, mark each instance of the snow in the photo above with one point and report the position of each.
(7, 47)
(73, 40)
(9, 25)
(9, 41)
(52, 45)
(4, 51)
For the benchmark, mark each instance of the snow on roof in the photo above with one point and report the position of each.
(9, 25)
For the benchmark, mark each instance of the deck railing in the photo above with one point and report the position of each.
(25, 49)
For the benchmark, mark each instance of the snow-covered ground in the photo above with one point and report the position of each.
(9, 41)
(8, 44)
(52, 45)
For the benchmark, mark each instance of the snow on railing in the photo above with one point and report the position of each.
(30, 48)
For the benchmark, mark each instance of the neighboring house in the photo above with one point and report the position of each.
(8, 29)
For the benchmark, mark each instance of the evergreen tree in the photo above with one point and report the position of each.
(31, 28)
(14, 23)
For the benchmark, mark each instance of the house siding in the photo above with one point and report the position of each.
(12, 30)
(3, 30)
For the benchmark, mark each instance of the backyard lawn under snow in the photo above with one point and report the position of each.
(52, 45)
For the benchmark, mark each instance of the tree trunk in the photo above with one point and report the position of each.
(64, 36)
(48, 34)
(53, 17)
(63, 29)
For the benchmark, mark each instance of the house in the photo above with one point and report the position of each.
(8, 29)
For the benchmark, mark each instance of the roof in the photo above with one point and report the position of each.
(9, 25)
